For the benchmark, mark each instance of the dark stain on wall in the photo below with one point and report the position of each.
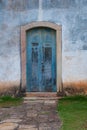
(19, 5)
(59, 3)
(84, 47)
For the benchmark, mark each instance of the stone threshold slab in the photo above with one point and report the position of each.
(41, 98)
(41, 94)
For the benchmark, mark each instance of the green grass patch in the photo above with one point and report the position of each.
(73, 112)
(8, 101)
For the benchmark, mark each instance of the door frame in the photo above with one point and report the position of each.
(58, 30)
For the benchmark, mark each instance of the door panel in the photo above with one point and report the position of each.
(41, 60)
(47, 69)
(35, 76)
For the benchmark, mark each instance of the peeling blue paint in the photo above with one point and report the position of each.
(41, 60)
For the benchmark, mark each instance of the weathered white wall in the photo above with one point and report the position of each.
(74, 66)
(71, 14)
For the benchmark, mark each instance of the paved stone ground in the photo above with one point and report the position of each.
(31, 115)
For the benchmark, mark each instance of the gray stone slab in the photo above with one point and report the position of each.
(8, 126)
(29, 117)
(45, 128)
(49, 102)
(33, 101)
(27, 127)
(11, 120)
(43, 118)
(31, 114)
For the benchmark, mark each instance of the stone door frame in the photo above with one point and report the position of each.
(58, 30)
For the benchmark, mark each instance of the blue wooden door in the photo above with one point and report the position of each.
(41, 60)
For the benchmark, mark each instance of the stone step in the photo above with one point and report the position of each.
(46, 100)
(41, 98)
(41, 101)
(41, 94)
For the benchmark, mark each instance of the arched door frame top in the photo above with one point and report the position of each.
(58, 30)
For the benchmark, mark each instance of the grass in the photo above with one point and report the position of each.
(73, 112)
(8, 101)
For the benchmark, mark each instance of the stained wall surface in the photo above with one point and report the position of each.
(71, 14)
